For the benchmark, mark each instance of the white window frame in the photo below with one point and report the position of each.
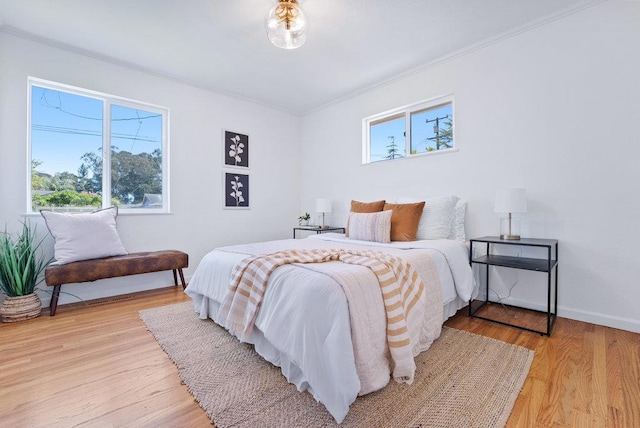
(407, 110)
(107, 101)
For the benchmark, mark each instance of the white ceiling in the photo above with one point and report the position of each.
(222, 44)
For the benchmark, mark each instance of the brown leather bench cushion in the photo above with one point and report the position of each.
(111, 267)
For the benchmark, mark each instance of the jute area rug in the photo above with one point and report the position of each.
(463, 380)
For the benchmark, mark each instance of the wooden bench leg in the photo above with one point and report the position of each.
(175, 277)
(184, 284)
(54, 300)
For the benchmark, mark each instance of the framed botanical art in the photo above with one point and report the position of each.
(236, 190)
(236, 149)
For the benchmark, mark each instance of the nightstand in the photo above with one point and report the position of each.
(547, 266)
(318, 229)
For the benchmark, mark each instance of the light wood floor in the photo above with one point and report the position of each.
(99, 366)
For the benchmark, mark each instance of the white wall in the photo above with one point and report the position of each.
(197, 223)
(555, 110)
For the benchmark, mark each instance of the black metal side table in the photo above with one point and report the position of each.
(548, 266)
(318, 229)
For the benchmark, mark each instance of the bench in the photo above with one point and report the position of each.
(112, 267)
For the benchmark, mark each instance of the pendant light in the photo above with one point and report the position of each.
(287, 25)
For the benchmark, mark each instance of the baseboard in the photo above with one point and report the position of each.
(621, 323)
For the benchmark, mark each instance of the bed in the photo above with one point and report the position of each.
(304, 325)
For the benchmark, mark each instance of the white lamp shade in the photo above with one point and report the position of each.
(511, 201)
(323, 205)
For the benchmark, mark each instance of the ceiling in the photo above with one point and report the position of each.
(221, 45)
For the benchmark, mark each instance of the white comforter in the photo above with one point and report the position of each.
(316, 354)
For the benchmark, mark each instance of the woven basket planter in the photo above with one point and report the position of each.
(20, 308)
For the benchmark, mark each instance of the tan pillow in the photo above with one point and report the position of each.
(364, 207)
(405, 220)
(367, 207)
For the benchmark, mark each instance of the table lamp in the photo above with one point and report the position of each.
(510, 201)
(323, 205)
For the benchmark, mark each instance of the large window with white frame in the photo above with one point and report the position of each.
(90, 150)
(418, 129)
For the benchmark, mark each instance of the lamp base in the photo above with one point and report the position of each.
(324, 226)
(510, 237)
(510, 229)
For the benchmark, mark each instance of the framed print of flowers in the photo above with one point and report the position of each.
(236, 149)
(236, 190)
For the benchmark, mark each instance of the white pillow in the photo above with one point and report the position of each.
(457, 225)
(375, 227)
(437, 216)
(84, 236)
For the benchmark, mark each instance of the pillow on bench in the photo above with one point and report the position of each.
(84, 236)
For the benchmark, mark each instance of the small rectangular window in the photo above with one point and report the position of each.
(420, 128)
(90, 150)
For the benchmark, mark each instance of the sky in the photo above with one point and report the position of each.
(65, 126)
(421, 130)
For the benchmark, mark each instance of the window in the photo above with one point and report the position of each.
(418, 129)
(90, 150)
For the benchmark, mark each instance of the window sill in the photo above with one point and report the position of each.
(120, 213)
(417, 155)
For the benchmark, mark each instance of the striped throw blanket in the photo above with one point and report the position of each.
(400, 285)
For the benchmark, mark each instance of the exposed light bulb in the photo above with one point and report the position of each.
(287, 25)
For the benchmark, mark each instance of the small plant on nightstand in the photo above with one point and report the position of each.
(303, 220)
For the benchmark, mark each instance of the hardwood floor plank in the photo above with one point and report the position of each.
(571, 340)
(615, 418)
(584, 419)
(599, 399)
(97, 365)
(554, 378)
(629, 354)
(528, 411)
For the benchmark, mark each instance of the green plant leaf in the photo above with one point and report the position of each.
(21, 263)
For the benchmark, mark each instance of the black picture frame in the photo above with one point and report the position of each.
(236, 190)
(236, 149)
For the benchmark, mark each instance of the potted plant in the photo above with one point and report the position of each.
(303, 220)
(20, 267)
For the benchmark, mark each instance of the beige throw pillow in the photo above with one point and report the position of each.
(374, 227)
(364, 207)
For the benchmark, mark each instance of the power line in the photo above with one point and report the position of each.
(46, 103)
(89, 132)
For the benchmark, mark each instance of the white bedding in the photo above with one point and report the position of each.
(317, 355)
